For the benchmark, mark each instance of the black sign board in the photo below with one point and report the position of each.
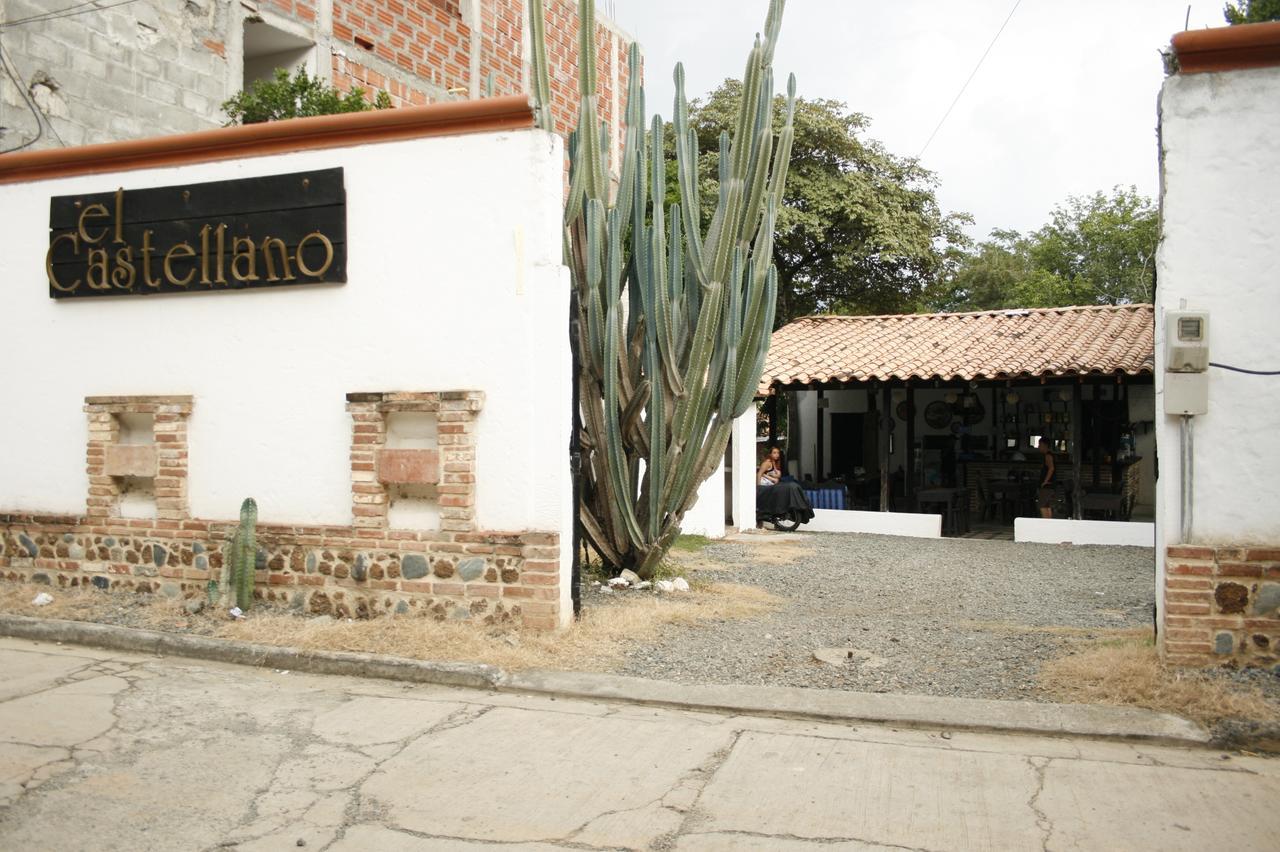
(227, 235)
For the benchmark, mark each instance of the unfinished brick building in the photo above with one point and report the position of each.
(155, 67)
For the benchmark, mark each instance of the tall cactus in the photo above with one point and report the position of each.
(241, 560)
(673, 322)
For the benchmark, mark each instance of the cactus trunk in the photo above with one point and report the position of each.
(243, 557)
(674, 321)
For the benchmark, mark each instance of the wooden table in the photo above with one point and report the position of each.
(955, 507)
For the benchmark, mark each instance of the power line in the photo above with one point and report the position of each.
(972, 73)
(1245, 370)
(22, 90)
(20, 81)
(69, 11)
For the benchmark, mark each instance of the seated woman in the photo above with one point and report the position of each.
(779, 496)
(770, 469)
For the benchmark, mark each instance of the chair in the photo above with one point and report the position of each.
(1003, 495)
(986, 504)
(960, 500)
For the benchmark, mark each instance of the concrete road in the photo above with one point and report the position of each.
(109, 751)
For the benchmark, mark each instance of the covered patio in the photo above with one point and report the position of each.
(942, 414)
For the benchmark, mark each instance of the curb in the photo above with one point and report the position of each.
(905, 711)
(472, 675)
(1129, 724)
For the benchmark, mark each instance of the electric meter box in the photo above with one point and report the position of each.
(1186, 377)
(1187, 341)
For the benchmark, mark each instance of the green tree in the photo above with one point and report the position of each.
(860, 229)
(1252, 11)
(1099, 249)
(1095, 250)
(987, 276)
(298, 96)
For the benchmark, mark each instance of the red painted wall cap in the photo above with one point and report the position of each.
(1228, 48)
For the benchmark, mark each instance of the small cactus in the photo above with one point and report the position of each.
(236, 585)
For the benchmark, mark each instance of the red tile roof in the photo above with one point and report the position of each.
(1022, 343)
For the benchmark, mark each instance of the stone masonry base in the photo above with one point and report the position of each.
(1222, 605)
(347, 572)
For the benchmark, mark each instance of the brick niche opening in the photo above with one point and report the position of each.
(137, 457)
(413, 459)
(408, 467)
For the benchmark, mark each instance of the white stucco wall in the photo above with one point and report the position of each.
(1067, 531)
(455, 282)
(706, 517)
(907, 524)
(1220, 253)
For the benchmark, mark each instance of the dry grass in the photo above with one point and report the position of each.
(1129, 673)
(593, 643)
(151, 612)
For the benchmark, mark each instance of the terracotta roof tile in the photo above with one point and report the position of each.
(1023, 343)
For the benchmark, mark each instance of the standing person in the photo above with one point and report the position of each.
(1045, 496)
(771, 468)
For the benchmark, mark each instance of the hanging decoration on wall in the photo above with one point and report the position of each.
(272, 231)
(937, 414)
(974, 411)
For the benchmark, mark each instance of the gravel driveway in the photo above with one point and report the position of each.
(933, 616)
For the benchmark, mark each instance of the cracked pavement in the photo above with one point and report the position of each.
(105, 750)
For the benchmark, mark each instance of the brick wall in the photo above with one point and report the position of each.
(155, 67)
(428, 41)
(423, 50)
(347, 571)
(1222, 605)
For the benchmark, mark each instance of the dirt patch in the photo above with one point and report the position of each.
(594, 643)
(761, 549)
(1128, 672)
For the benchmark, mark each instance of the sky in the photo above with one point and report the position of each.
(1064, 104)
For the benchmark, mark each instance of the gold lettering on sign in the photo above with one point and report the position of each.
(119, 240)
(93, 211)
(222, 236)
(328, 255)
(123, 276)
(243, 249)
(182, 250)
(147, 278)
(98, 264)
(48, 263)
(204, 255)
(269, 243)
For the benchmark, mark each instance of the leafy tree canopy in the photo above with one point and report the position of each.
(1095, 250)
(1252, 11)
(860, 230)
(298, 96)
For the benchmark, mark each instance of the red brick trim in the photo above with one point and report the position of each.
(274, 137)
(1228, 48)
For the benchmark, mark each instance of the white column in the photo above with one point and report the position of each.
(707, 515)
(743, 477)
